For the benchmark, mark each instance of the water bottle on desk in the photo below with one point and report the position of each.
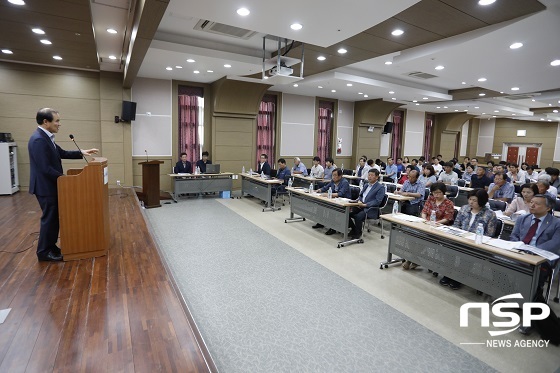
(262, 174)
(330, 193)
(251, 171)
(310, 188)
(243, 170)
(396, 208)
(479, 233)
(197, 171)
(342, 166)
(433, 218)
(361, 184)
(290, 182)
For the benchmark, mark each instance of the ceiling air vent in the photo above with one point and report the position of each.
(420, 75)
(518, 97)
(225, 30)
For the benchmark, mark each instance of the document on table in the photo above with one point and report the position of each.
(520, 246)
(410, 218)
(506, 245)
(472, 236)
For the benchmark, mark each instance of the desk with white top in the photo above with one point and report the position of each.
(259, 188)
(200, 183)
(305, 181)
(492, 270)
(332, 213)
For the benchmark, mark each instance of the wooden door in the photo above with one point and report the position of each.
(512, 153)
(532, 155)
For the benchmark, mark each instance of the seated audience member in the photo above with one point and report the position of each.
(264, 167)
(554, 179)
(532, 175)
(468, 174)
(391, 171)
(361, 166)
(405, 162)
(500, 189)
(414, 163)
(544, 186)
(474, 213)
(448, 177)
(371, 165)
(371, 195)
(201, 163)
(412, 188)
(380, 164)
(474, 163)
(340, 188)
(428, 176)
(317, 171)
(443, 207)
(466, 162)
(282, 174)
(329, 167)
(437, 167)
(299, 167)
(528, 191)
(421, 162)
(501, 169)
(400, 166)
(404, 176)
(183, 166)
(480, 180)
(490, 164)
(440, 158)
(516, 175)
(524, 166)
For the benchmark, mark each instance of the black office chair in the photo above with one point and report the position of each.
(517, 188)
(496, 205)
(427, 193)
(308, 171)
(499, 228)
(273, 173)
(452, 192)
(391, 188)
(461, 183)
(347, 172)
(379, 208)
(557, 207)
(280, 191)
(354, 192)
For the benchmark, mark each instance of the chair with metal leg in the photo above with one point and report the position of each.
(379, 208)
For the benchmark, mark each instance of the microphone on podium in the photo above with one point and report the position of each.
(83, 156)
(147, 159)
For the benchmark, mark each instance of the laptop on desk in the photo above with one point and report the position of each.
(213, 168)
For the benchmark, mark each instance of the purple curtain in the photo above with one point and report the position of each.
(430, 118)
(397, 134)
(265, 129)
(188, 127)
(324, 130)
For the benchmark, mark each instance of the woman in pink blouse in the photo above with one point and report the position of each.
(528, 191)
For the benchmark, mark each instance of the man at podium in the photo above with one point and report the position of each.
(46, 166)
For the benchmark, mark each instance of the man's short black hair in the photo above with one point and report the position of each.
(317, 159)
(374, 170)
(265, 156)
(282, 160)
(45, 113)
(205, 153)
(481, 195)
(182, 154)
(329, 159)
(337, 171)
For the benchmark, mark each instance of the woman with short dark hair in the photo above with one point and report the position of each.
(528, 191)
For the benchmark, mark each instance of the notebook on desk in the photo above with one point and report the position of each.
(213, 168)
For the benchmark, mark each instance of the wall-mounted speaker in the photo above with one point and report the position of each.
(388, 127)
(128, 111)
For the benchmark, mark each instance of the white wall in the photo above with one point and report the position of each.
(485, 137)
(464, 138)
(345, 126)
(556, 157)
(414, 133)
(298, 126)
(151, 131)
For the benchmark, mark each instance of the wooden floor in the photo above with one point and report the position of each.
(110, 314)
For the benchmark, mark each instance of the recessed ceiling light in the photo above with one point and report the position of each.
(17, 2)
(440, 67)
(243, 11)
(38, 31)
(296, 85)
(456, 110)
(58, 58)
(425, 98)
(349, 84)
(463, 82)
(391, 92)
(501, 92)
(77, 34)
(445, 107)
(7, 51)
(477, 107)
(465, 110)
(550, 120)
(296, 26)
(513, 114)
(397, 32)
(360, 93)
(555, 63)
(227, 66)
(168, 68)
(111, 31)
(45, 41)
(534, 100)
(549, 104)
(211, 71)
(414, 100)
(112, 57)
(388, 62)
(320, 86)
(190, 60)
(333, 90)
(542, 118)
(516, 45)
(515, 88)
(555, 111)
(342, 51)
(496, 111)
(196, 72)
(417, 104)
(366, 96)
(493, 116)
(482, 94)
(486, 2)
(482, 79)
(438, 107)
(321, 58)
(483, 113)
(393, 98)
(266, 77)
(178, 67)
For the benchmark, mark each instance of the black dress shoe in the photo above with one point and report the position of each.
(330, 232)
(316, 226)
(50, 257)
(357, 235)
(56, 250)
(454, 285)
(444, 281)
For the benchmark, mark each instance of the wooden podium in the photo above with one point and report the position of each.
(83, 208)
(150, 184)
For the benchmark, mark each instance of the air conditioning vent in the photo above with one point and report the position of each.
(518, 97)
(420, 75)
(226, 30)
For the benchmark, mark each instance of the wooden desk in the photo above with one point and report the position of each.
(259, 188)
(305, 181)
(333, 213)
(201, 183)
(494, 271)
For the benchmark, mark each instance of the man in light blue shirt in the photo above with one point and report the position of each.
(391, 170)
(299, 167)
(412, 188)
(500, 189)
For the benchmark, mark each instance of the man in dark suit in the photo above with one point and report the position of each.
(201, 163)
(183, 166)
(371, 196)
(46, 166)
(264, 167)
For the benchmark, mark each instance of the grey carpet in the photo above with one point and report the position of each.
(262, 306)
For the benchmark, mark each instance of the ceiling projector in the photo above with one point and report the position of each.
(284, 71)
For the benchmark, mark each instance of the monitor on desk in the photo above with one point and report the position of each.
(212, 169)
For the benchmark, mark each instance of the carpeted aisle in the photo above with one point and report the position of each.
(262, 306)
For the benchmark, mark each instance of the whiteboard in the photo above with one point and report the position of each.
(297, 139)
(151, 133)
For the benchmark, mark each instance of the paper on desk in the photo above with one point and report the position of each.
(409, 218)
(500, 215)
(506, 245)
(472, 236)
(540, 252)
